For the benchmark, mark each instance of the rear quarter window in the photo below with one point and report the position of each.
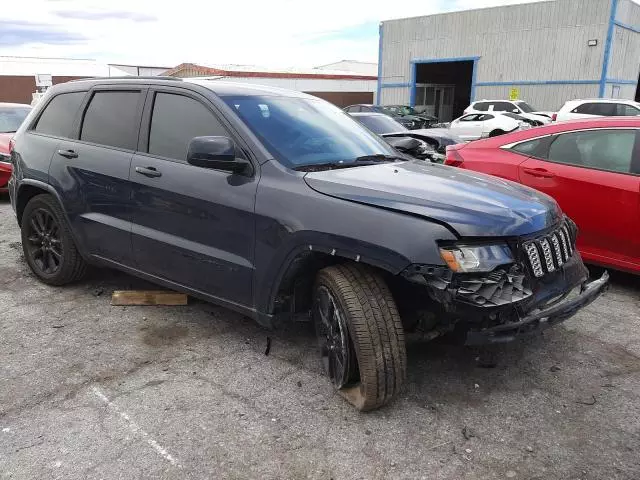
(57, 117)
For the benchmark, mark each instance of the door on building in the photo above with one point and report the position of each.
(436, 100)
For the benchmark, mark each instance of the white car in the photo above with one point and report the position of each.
(518, 107)
(482, 125)
(598, 107)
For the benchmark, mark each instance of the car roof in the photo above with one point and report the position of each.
(604, 100)
(218, 87)
(499, 100)
(14, 105)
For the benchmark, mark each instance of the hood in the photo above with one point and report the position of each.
(441, 135)
(473, 204)
(536, 116)
(4, 142)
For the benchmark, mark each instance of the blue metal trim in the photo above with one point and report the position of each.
(622, 82)
(537, 82)
(412, 90)
(474, 84)
(441, 60)
(395, 85)
(607, 47)
(379, 64)
(626, 26)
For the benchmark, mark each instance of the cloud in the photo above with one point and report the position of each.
(105, 15)
(272, 33)
(22, 33)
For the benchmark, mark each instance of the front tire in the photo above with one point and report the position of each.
(360, 335)
(496, 133)
(47, 243)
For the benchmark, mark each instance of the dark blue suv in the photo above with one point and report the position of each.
(277, 204)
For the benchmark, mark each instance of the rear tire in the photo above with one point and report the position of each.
(47, 243)
(496, 133)
(375, 366)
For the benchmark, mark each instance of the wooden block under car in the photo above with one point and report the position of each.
(148, 297)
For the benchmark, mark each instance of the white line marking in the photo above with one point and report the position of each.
(135, 428)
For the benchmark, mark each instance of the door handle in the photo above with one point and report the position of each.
(68, 153)
(148, 171)
(539, 172)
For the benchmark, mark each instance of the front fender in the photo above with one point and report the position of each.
(300, 243)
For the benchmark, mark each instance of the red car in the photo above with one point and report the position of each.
(11, 116)
(591, 167)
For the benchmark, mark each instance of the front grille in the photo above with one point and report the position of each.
(549, 252)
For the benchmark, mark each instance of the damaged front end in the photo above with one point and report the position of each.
(498, 292)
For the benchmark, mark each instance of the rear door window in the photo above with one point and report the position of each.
(59, 114)
(624, 110)
(481, 106)
(112, 119)
(501, 107)
(473, 117)
(170, 134)
(604, 109)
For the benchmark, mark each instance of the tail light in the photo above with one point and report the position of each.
(453, 157)
(554, 117)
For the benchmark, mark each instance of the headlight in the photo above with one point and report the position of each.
(480, 258)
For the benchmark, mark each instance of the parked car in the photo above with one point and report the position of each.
(426, 120)
(482, 125)
(591, 167)
(392, 131)
(598, 107)
(277, 204)
(11, 116)
(411, 122)
(512, 106)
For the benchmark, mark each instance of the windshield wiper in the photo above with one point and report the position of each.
(316, 167)
(380, 157)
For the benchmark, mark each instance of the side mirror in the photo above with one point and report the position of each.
(216, 152)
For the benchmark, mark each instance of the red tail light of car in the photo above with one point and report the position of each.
(554, 117)
(453, 157)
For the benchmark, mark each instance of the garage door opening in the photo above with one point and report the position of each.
(443, 89)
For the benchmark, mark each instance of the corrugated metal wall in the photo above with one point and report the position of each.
(629, 12)
(541, 97)
(537, 42)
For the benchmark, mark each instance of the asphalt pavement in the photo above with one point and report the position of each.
(93, 391)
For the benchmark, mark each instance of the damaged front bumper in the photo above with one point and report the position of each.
(505, 304)
(538, 321)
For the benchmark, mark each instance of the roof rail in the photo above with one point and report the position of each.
(131, 77)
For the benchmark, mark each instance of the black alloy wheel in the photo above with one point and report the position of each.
(44, 245)
(337, 353)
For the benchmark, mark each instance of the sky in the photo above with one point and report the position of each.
(274, 33)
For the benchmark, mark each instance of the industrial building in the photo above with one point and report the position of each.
(339, 87)
(544, 53)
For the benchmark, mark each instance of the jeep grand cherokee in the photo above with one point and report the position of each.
(277, 204)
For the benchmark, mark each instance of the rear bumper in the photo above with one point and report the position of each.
(536, 322)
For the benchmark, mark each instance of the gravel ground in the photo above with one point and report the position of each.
(88, 390)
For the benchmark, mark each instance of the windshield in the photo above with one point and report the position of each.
(11, 118)
(303, 131)
(525, 107)
(380, 124)
(406, 110)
